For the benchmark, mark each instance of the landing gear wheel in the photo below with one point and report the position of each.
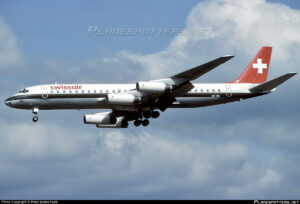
(137, 123)
(35, 119)
(155, 114)
(145, 122)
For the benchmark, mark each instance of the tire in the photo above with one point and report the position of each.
(35, 119)
(145, 122)
(137, 123)
(155, 114)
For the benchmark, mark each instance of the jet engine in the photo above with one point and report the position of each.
(153, 87)
(123, 99)
(120, 123)
(100, 118)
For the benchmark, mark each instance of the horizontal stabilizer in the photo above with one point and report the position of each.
(198, 71)
(268, 86)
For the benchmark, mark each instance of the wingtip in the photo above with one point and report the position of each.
(229, 56)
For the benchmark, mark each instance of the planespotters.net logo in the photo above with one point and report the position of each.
(275, 202)
(94, 30)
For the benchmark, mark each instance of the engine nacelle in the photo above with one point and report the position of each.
(121, 123)
(123, 99)
(99, 118)
(153, 87)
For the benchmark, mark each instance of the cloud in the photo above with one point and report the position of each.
(52, 159)
(248, 25)
(37, 143)
(238, 27)
(236, 151)
(10, 52)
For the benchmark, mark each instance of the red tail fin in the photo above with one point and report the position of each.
(257, 71)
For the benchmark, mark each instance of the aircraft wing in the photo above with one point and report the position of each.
(178, 85)
(198, 71)
(181, 82)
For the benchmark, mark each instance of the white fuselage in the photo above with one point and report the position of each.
(143, 100)
(94, 96)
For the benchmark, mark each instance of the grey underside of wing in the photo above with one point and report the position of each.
(198, 71)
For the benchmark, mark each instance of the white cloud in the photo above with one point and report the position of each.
(24, 140)
(120, 164)
(258, 184)
(248, 25)
(173, 161)
(10, 54)
(239, 27)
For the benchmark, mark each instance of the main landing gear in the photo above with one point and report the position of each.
(35, 117)
(146, 115)
(138, 122)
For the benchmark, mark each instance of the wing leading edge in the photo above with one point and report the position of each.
(183, 85)
(200, 70)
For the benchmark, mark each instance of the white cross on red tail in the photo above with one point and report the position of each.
(260, 66)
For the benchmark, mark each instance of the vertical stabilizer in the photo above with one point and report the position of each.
(257, 71)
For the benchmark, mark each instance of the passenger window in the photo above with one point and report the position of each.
(52, 92)
(70, 91)
(89, 91)
(106, 91)
(64, 91)
(202, 90)
(95, 91)
(76, 91)
(213, 90)
(82, 91)
(57, 91)
(219, 90)
(113, 91)
(195, 90)
(119, 90)
(207, 90)
(100, 91)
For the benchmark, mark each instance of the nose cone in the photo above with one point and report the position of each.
(8, 102)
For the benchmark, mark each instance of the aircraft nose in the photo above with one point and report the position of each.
(8, 102)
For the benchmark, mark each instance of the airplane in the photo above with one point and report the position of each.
(140, 101)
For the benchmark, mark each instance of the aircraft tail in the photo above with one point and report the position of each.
(257, 70)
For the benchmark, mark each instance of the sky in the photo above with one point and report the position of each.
(241, 150)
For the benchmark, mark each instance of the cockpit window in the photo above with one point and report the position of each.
(23, 91)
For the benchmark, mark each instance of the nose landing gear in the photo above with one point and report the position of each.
(35, 117)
